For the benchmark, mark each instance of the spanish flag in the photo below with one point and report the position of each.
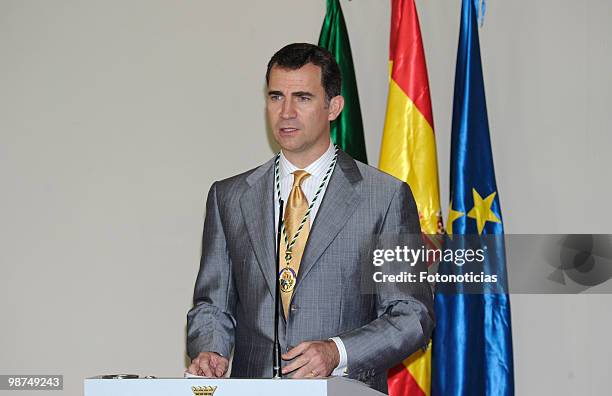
(408, 152)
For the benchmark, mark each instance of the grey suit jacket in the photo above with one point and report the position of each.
(233, 298)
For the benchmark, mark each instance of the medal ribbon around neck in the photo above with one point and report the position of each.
(289, 245)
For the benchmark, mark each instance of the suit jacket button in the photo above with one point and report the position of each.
(294, 308)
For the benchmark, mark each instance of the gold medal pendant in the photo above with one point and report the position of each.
(286, 279)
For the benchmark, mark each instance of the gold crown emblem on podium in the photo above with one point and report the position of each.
(203, 390)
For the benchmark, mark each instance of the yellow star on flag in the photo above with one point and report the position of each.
(452, 216)
(481, 211)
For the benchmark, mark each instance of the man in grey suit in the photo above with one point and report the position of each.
(328, 326)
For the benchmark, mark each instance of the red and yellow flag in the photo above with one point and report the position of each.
(408, 152)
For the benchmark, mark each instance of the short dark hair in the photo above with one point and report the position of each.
(297, 55)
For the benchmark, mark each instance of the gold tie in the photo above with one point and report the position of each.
(297, 205)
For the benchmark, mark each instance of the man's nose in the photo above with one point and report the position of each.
(288, 111)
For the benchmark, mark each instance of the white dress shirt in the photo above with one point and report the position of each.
(309, 186)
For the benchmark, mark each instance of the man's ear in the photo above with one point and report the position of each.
(336, 104)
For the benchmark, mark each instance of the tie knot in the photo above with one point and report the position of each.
(299, 176)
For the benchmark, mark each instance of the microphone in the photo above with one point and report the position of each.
(276, 362)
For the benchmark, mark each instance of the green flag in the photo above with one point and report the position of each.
(347, 129)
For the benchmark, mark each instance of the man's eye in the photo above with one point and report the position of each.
(304, 98)
(275, 98)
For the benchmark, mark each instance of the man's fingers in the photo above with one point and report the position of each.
(209, 364)
(296, 364)
(309, 370)
(193, 369)
(204, 364)
(205, 368)
(215, 367)
(317, 359)
(314, 368)
(298, 350)
(220, 365)
(224, 366)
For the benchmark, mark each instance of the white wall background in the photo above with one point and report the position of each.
(116, 116)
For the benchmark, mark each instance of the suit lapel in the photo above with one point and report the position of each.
(257, 205)
(338, 204)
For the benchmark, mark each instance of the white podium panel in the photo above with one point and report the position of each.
(226, 387)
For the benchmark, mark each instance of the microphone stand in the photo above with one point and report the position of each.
(276, 363)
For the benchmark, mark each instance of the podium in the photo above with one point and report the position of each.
(334, 386)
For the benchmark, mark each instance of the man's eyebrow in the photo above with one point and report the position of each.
(302, 93)
(279, 93)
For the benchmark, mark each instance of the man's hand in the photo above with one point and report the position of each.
(209, 364)
(312, 359)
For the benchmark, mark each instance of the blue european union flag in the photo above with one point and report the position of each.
(472, 343)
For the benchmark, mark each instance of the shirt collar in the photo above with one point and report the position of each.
(316, 169)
